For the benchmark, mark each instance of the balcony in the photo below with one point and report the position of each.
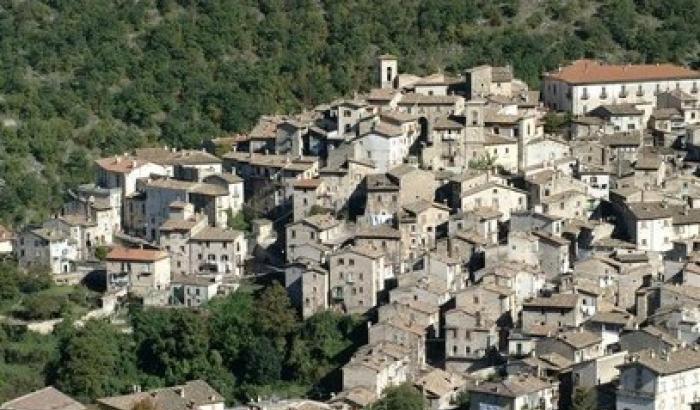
(584, 96)
(623, 94)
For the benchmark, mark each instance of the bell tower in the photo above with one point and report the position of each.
(388, 70)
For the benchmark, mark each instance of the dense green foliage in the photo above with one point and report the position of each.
(402, 397)
(23, 359)
(82, 78)
(584, 399)
(241, 347)
(32, 295)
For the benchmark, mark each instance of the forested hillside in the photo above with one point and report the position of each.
(81, 78)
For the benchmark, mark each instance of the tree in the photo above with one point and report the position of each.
(9, 283)
(402, 397)
(275, 315)
(171, 344)
(40, 306)
(35, 279)
(584, 399)
(237, 221)
(94, 361)
(463, 400)
(232, 326)
(484, 163)
(101, 252)
(262, 362)
(556, 122)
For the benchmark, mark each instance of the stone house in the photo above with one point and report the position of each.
(356, 276)
(309, 194)
(46, 248)
(377, 366)
(648, 338)
(495, 302)
(558, 310)
(194, 291)
(610, 325)
(386, 239)
(387, 143)
(525, 281)
(175, 233)
(421, 223)
(388, 193)
(214, 250)
(319, 229)
(515, 392)
(122, 172)
(343, 181)
(575, 345)
(404, 333)
(601, 370)
(505, 199)
(469, 336)
(553, 254)
(195, 395)
(448, 269)
(440, 388)
(586, 84)
(653, 380)
(417, 287)
(48, 398)
(482, 220)
(315, 291)
(139, 271)
(419, 312)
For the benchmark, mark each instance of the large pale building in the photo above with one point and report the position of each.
(587, 84)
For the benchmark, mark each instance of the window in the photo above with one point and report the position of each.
(389, 73)
(603, 93)
(351, 262)
(294, 234)
(347, 113)
(341, 261)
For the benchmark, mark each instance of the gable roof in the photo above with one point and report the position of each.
(136, 255)
(668, 363)
(48, 398)
(593, 72)
(184, 397)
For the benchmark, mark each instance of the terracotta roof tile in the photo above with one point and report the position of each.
(136, 255)
(591, 72)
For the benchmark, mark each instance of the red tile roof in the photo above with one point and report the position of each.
(592, 71)
(307, 183)
(119, 164)
(136, 255)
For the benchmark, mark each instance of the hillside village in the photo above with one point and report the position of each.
(518, 247)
